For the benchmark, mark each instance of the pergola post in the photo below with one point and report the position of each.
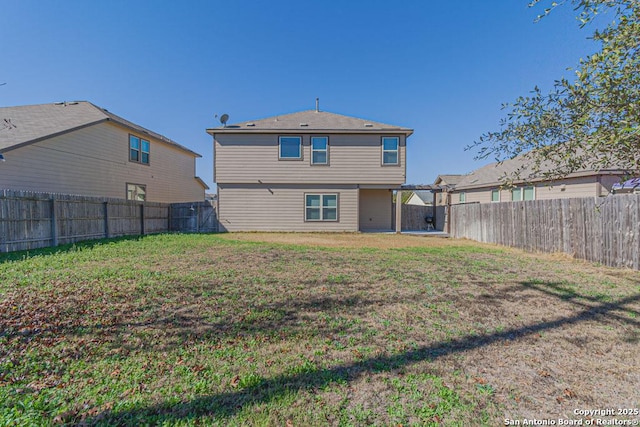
(398, 211)
(435, 211)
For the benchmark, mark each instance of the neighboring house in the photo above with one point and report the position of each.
(631, 186)
(484, 185)
(79, 148)
(308, 171)
(421, 198)
(448, 183)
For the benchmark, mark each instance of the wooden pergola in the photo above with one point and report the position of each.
(435, 189)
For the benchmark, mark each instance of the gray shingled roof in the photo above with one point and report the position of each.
(424, 195)
(450, 179)
(27, 124)
(311, 120)
(494, 173)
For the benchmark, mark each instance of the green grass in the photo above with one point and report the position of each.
(214, 330)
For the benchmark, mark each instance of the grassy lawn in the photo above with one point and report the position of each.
(305, 330)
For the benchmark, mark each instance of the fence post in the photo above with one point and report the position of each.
(197, 218)
(142, 219)
(170, 207)
(54, 223)
(106, 219)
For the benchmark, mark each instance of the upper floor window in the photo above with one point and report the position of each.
(463, 197)
(495, 195)
(319, 150)
(290, 147)
(390, 148)
(136, 192)
(139, 150)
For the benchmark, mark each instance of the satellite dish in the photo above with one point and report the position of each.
(223, 119)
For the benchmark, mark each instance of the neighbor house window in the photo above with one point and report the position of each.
(390, 145)
(290, 147)
(136, 192)
(463, 197)
(516, 194)
(319, 150)
(529, 193)
(526, 193)
(321, 207)
(495, 195)
(139, 150)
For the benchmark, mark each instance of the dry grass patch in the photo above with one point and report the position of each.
(311, 329)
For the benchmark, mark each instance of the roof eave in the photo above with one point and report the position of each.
(164, 139)
(406, 132)
(581, 174)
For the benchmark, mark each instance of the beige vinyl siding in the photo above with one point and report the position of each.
(375, 210)
(472, 196)
(282, 208)
(94, 161)
(569, 188)
(353, 159)
(587, 186)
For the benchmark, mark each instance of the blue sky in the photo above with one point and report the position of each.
(441, 68)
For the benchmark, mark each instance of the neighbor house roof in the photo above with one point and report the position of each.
(450, 179)
(630, 184)
(311, 120)
(424, 195)
(27, 124)
(493, 174)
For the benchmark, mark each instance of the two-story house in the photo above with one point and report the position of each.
(308, 171)
(80, 148)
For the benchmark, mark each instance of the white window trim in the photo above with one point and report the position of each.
(322, 196)
(521, 199)
(326, 151)
(280, 147)
(534, 192)
(397, 151)
(462, 197)
(499, 195)
(143, 186)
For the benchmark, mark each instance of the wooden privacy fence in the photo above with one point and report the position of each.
(36, 220)
(413, 217)
(197, 217)
(603, 230)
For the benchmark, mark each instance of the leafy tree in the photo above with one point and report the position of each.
(591, 122)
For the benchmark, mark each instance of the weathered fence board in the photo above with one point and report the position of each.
(413, 217)
(35, 220)
(199, 217)
(604, 230)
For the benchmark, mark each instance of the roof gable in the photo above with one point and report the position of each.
(27, 124)
(448, 179)
(424, 195)
(310, 121)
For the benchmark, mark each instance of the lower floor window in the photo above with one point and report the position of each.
(136, 192)
(524, 193)
(321, 207)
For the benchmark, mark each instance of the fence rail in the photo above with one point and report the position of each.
(604, 230)
(36, 220)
